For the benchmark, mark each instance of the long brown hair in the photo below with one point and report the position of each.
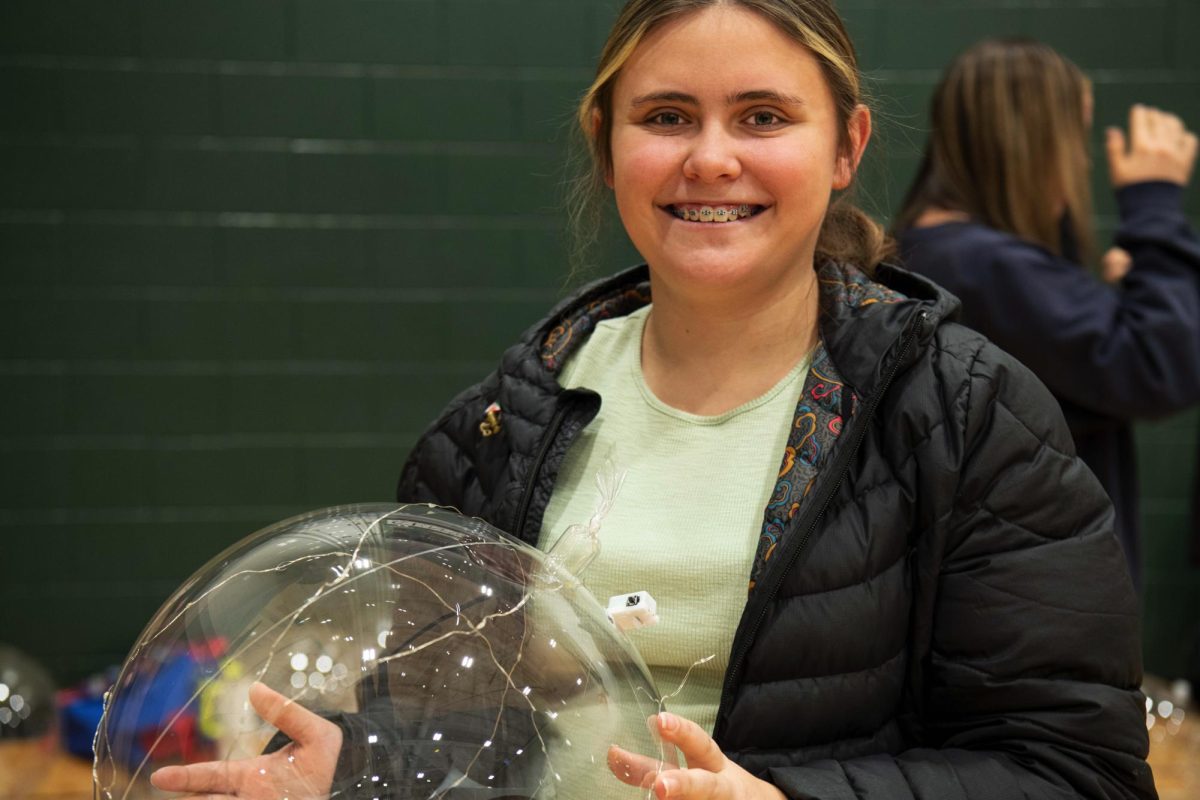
(1008, 145)
(847, 233)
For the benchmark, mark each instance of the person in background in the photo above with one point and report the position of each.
(1000, 214)
(849, 500)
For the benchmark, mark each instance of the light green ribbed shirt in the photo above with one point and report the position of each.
(686, 523)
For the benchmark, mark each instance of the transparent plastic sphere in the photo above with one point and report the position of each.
(28, 722)
(402, 652)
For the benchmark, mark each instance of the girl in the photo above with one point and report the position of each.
(854, 503)
(1000, 215)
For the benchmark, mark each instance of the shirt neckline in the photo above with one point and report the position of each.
(658, 405)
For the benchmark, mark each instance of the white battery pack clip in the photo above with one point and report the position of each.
(633, 610)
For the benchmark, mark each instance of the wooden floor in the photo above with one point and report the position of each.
(1174, 756)
(1175, 759)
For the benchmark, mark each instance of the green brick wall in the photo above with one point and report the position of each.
(249, 247)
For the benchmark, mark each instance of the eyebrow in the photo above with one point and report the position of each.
(765, 95)
(665, 97)
(754, 95)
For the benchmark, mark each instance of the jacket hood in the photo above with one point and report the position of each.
(863, 318)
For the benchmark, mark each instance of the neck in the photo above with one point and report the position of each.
(709, 356)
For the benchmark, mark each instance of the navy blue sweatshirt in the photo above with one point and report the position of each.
(1110, 354)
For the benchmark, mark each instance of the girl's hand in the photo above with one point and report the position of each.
(1114, 264)
(1160, 148)
(301, 770)
(709, 776)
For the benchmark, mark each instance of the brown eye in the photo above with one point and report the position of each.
(764, 118)
(666, 118)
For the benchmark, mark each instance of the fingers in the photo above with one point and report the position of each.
(1115, 149)
(631, 768)
(1169, 125)
(673, 783)
(698, 784)
(692, 784)
(297, 722)
(698, 748)
(701, 752)
(693, 741)
(709, 776)
(1114, 143)
(1188, 150)
(1141, 125)
(210, 777)
(1159, 147)
(1115, 264)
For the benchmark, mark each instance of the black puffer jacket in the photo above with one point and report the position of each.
(940, 609)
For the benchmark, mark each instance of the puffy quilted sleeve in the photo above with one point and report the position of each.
(1029, 687)
(443, 467)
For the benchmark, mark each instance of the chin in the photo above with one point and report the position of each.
(719, 270)
(704, 270)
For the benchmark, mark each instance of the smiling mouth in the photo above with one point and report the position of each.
(713, 214)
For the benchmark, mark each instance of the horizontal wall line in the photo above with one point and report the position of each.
(213, 143)
(1096, 75)
(148, 515)
(88, 591)
(264, 294)
(248, 368)
(270, 219)
(307, 69)
(199, 442)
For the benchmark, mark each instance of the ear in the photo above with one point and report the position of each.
(858, 130)
(597, 127)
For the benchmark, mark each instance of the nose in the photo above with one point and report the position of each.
(713, 156)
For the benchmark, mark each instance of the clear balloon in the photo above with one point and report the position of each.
(28, 722)
(377, 652)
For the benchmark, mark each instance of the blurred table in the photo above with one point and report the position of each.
(46, 774)
(68, 776)
(1175, 759)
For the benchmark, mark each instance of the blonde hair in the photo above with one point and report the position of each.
(1008, 145)
(847, 234)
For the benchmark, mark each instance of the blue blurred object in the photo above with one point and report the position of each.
(157, 706)
(80, 709)
(80, 718)
(165, 704)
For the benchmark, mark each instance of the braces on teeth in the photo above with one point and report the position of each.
(710, 214)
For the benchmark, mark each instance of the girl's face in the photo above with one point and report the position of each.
(725, 152)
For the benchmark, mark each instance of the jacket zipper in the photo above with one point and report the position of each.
(556, 422)
(842, 468)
